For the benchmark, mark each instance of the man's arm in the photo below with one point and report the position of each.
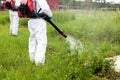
(44, 7)
(17, 3)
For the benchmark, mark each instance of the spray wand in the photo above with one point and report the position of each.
(60, 31)
(45, 17)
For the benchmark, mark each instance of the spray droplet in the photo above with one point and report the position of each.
(75, 44)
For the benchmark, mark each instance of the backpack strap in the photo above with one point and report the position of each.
(35, 5)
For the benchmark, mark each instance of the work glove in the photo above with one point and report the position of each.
(34, 14)
(44, 16)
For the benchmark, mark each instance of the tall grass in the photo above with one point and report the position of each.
(98, 31)
(4, 19)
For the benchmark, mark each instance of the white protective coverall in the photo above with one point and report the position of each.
(14, 20)
(38, 36)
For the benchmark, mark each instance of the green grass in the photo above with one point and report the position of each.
(98, 31)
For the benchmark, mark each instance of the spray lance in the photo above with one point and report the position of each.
(45, 17)
(60, 31)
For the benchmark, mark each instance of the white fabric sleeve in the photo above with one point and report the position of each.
(17, 3)
(44, 7)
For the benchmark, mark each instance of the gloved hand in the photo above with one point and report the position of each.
(44, 16)
(34, 14)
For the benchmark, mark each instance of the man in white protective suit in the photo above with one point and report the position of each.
(14, 19)
(37, 29)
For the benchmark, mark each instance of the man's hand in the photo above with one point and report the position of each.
(44, 16)
(34, 14)
(8, 0)
(23, 2)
